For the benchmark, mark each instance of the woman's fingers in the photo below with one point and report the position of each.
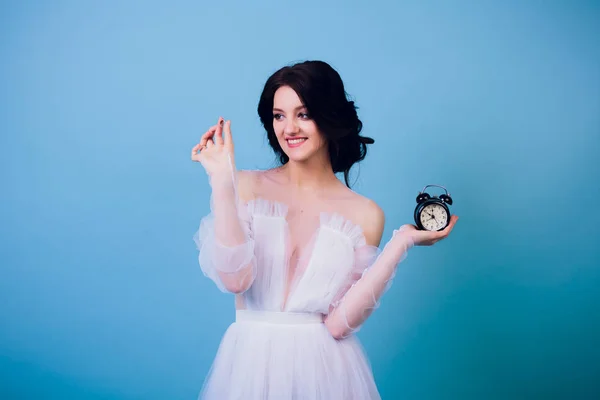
(195, 149)
(218, 137)
(450, 226)
(446, 231)
(209, 144)
(218, 134)
(208, 135)
(227, 134)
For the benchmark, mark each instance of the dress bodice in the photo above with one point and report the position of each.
(307, 272)
(331, 260)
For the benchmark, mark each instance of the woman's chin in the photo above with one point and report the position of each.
(298, 154)
(298, 158)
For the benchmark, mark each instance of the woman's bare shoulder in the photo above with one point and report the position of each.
(251, 182)
(370, 216)
(247, 181)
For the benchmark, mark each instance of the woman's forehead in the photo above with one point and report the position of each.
(287, 98)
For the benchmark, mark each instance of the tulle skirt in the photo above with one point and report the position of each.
(271, 355)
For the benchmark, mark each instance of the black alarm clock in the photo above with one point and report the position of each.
(432, 213)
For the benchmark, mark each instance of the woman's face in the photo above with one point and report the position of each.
(296, 131)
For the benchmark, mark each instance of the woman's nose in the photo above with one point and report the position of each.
(290, 127)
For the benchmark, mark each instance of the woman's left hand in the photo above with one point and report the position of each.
(426, 238)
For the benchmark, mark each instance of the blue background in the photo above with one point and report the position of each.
(101, 296)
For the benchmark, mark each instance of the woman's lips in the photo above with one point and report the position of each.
(295, 142)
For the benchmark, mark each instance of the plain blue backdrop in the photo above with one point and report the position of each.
(101, 296)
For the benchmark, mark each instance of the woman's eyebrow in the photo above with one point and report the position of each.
(297, 108)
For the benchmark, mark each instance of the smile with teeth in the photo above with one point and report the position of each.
(296, 141)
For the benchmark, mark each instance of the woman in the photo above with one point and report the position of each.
(297, 247)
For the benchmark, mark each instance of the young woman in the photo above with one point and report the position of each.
(297, 247)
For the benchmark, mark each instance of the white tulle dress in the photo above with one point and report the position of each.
(293, 272)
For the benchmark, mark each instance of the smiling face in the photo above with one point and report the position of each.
(297, 133)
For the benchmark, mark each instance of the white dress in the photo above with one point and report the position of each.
(278, 346)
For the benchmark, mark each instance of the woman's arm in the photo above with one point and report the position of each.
(233, 244)
(224, 239)
(364, 296)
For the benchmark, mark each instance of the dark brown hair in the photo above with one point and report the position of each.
(322, 92)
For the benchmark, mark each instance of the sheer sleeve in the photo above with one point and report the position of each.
(372, 276)
(224, 240)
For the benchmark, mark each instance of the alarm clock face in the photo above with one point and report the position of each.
(434, 217)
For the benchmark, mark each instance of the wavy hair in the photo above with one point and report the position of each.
(321, 90)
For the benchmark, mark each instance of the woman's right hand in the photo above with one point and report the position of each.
(215, 151)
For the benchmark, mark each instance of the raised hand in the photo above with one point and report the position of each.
(215, 150)
(426, 238)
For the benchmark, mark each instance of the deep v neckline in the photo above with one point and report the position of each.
(337, 222)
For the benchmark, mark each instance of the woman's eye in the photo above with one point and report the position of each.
(277, 116)
(304, 116)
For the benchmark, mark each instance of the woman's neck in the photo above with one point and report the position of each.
(313, 174)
